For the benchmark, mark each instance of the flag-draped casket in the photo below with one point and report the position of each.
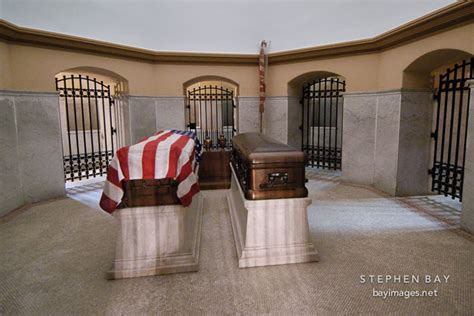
(159, 170)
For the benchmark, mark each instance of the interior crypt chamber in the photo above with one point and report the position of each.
(322, 166)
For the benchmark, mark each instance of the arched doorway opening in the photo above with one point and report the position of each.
(321, 101)
(92, 120)
(211, 109)
(444, 72)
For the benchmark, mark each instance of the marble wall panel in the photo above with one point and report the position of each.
(142, 117)
(294, 122)
(248, 115)
(170, 113)
(39, 146)
(275, 118)
(11, 193)
(467, 213)
(415, 148)
(387, 142)
(358, 142)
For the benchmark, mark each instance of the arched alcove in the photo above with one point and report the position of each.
(93, 110)
(211, 107)
(419, 73)
(211, 80)
(316, 126)
(433, 117)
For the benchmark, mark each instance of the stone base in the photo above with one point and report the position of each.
(156, 240)
(269, 232)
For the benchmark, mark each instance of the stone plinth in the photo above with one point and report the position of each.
(157, 240)
(269, 232)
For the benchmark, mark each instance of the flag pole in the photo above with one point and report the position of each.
(262, 87)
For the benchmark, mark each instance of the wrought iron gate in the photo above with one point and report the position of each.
(321, 127)
(211, 113)
(451, 121)
(87, 118)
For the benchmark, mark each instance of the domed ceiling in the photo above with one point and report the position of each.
(227, 26)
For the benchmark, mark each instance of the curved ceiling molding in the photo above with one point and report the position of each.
(451, 16)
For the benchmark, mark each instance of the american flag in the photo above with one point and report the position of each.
(261, 75)
(168, 154)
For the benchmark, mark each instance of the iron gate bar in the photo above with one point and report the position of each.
(337, 121)
(330, 124)
(456, 157)
(90, 124)
(111, 104)
(450, 143)
(78, 159)
(83, 129)
(440, 176)
(98, 125)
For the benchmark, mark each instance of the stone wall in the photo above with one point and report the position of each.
(151, 114)
(386, 140)
(467, 214)
(31, 162)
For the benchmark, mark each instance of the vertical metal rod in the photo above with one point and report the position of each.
(458, 133)
(302, 120)
(90, 122)
(233, 106)
(205, 105)
(75, 123)
(105, 126)
(342, 122)
(188, 108)
(440, 176)
(330, 125)
(71, 168)
(225, 116)
(201, 120)
(218, 102)
(471, 63)
(319, 123)
(308, 98)
(195, 115)
(451, 127)
(111, 105)
(324, 122)
(98, 126)
(313, 87)
(436, 136)
(336, 159)
(86, 157)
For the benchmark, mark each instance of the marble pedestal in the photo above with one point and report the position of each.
(269, 232)
(157, 240)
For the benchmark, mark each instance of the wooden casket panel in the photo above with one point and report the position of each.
(214, 170)
(152, 192)
(268, 169)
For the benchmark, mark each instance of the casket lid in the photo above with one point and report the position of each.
(259, 148)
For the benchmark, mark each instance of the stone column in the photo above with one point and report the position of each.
(467, 213)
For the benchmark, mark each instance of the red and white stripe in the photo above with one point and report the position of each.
(165, 155)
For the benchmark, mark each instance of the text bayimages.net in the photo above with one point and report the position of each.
(406, 279)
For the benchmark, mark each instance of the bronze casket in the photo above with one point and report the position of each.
(268, 169)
